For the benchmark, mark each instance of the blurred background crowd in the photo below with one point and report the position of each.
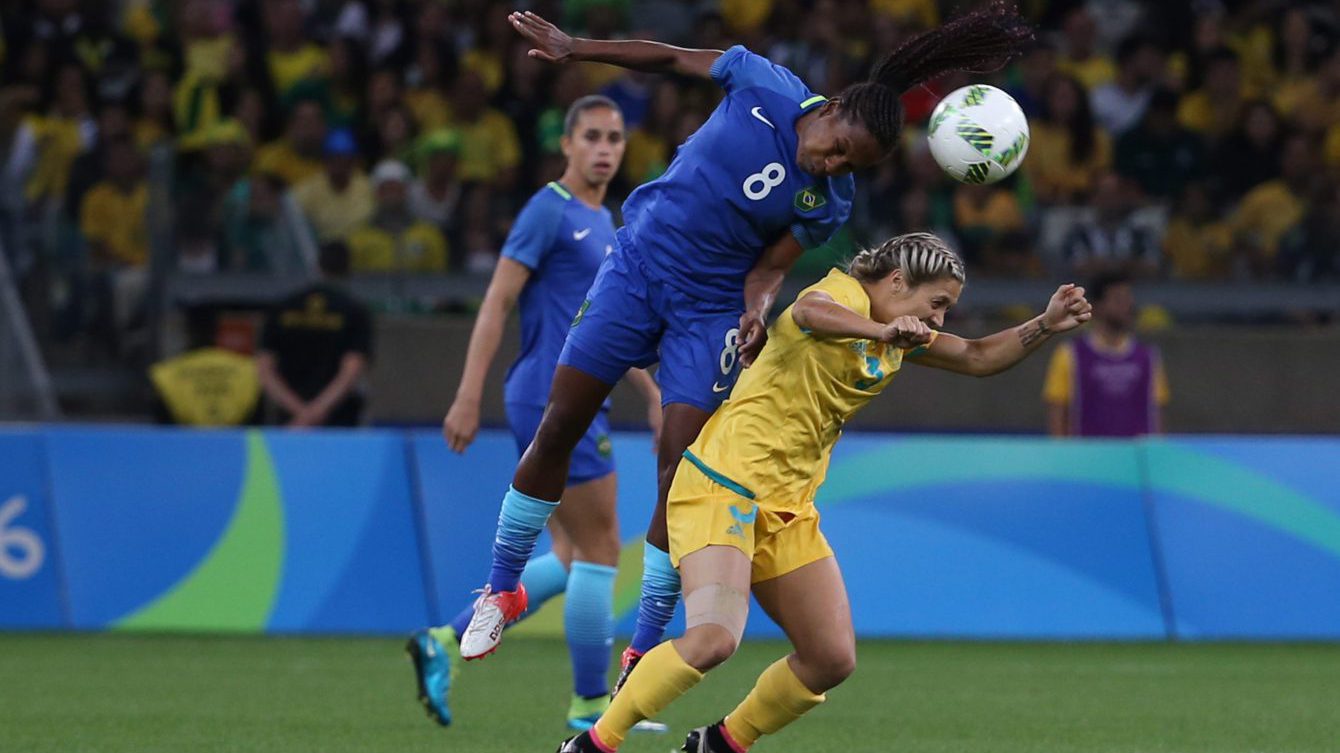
(152, 139)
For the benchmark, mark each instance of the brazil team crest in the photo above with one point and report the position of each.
(809, 199)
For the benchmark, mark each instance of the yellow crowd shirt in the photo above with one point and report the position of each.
(1210, 117)
(431, 110)
(776, 432)
(421, 248)
(279, 157)
(288, 69)
(1056, 177)
(1266, 213)
(59, 144)
(334, 214)
(488, 146)
(1092, 72)
(116, 220)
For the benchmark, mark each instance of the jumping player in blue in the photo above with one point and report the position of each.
(551, 256)
(700, 260)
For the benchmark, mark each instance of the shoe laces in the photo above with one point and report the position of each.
(482, 605)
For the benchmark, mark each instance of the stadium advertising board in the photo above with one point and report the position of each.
(944, 537)
(236, 531)
(29, 567)
(983, 538)
(1250, 534)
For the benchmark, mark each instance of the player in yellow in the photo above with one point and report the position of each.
(741, 511)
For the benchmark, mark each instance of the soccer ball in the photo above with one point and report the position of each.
(978, 134)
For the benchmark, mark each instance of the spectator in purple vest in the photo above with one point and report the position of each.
(1106, 383)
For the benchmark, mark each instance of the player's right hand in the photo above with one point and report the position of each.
(752, 337)
(906, 332)
(461, 424)
(552, 44)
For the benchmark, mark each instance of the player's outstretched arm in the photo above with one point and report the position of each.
(554, 45)
(993, 354)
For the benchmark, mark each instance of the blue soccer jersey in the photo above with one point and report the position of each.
(562, 241)
(734, 186)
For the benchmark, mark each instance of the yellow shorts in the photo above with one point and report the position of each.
(702, 512)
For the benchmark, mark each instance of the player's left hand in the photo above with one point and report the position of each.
(1067, 309)
(552, 44)
(753, 336)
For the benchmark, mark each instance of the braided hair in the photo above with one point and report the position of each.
(922, 257)
(979, 42)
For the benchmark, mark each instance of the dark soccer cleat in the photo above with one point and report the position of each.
(709, 739)
(434, 668)
(627, 662)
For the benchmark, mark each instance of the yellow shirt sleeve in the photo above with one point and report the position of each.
(370, 250)
(1056, 386)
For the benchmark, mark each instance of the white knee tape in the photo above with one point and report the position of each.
(717, 604)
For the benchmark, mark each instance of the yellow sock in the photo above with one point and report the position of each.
(661, 676)
(778, 698)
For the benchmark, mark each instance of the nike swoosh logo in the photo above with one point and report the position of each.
(580, 234)
(720, 387)
(757, 112)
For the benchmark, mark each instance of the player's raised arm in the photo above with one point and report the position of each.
(554, 45)
(821, 316)
(993, 354)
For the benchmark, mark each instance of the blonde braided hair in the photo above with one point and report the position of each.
(921, 256)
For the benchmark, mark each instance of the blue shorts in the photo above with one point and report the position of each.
(629, 321)
(594, 456)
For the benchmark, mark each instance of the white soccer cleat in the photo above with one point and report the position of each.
(493, 612)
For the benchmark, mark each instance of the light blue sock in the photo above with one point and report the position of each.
(588, 620)
(520, 522)
(660, 594)
(544, 578)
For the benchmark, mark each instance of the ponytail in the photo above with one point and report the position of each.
(979, 42)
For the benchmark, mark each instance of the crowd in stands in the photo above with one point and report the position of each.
(1192, 140)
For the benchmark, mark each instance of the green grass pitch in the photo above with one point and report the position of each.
(173, 694)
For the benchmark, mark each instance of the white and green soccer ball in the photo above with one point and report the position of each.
(978, 134)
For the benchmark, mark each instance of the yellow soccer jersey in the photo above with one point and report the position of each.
(775, 433)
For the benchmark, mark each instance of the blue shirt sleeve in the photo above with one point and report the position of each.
(535, 228)
(813, 232)
(738, 68)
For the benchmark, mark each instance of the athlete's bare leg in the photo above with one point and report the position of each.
(810, 604)
(681, 426)
(589, 520)
(574, 401)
